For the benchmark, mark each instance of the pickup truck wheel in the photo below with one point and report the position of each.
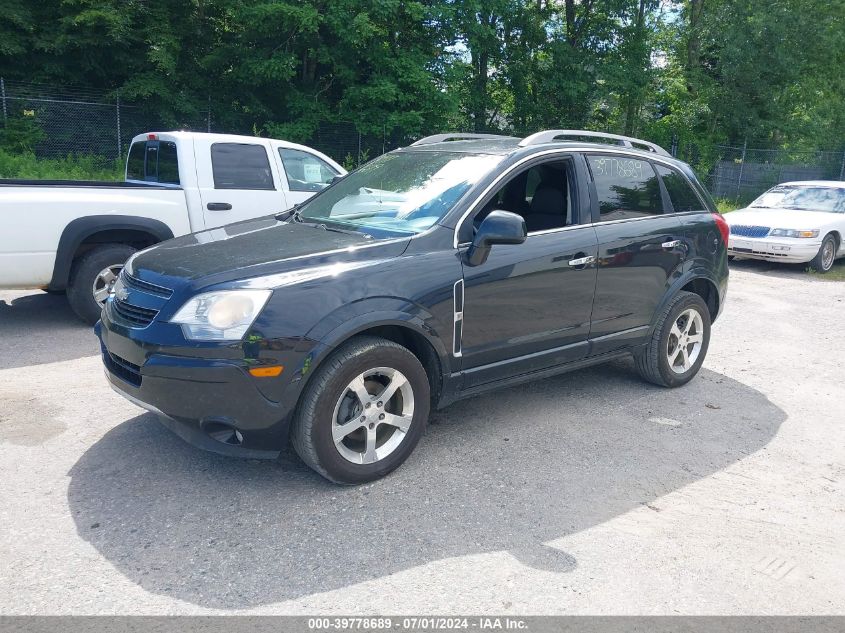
(823, 261)
(92, 277)
(363, 412)
(678, 344)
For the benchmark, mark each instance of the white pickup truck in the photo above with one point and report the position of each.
(74, 236)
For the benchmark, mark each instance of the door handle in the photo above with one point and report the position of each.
(582, 261)
(672, 244)
(218, 206)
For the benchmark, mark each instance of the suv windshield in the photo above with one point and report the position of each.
(807, 198)
(402, 193)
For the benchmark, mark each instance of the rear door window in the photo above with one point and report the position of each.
(305, 172)
(153, 161)
(627, 187)
(680, 193)
(241, 166)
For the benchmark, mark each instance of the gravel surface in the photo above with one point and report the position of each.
(591, 492)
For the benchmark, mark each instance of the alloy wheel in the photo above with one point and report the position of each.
(104, 282)
(685, 340)
(373, 415)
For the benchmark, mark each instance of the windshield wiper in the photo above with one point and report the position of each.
(338, 230)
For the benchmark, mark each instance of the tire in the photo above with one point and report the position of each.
(653, 363)
(823, 261)
(85, 272)
(329, 398)
(54, 292)
(731, 258)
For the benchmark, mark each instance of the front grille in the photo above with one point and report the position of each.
(145, 286)
(122, 368)
(134, 316)
(746, 230)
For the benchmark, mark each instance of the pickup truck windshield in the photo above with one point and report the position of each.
(402, 193)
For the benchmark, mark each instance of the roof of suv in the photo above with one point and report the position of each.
(505, 145)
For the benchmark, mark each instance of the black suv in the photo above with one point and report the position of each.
(460, 264)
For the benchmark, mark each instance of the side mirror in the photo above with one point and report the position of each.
(499, 227)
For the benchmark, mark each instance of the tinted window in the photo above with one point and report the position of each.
(680, 193)
(240, 166)
(135, 162)
(153, 161)
(626, 187)
(305, 172)
(168, 166)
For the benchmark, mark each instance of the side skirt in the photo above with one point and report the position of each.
(453, 395)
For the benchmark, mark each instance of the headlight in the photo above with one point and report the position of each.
(224, 315)
(793, 233)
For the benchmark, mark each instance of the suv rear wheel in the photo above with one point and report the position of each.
(678, 344)
(363, 412)
(92, 277)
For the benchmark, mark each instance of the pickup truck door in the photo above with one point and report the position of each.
(237, 181)
(304, 171)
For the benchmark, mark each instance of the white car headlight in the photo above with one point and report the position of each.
(224, 315)
(793, 233)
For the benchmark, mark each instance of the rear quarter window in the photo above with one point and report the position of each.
(680, 192)
(241, 166)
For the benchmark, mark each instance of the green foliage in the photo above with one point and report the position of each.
(693, 71)
(21, 134)
(26, 165)
(723, 205)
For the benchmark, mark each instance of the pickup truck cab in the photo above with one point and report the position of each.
(75, 235)
(460, 264)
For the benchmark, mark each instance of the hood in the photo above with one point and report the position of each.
(260, 247)
(781, 218)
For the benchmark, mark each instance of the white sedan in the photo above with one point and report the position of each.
(794, 222)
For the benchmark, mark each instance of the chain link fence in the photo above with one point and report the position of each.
(742, 173)
(55, 122)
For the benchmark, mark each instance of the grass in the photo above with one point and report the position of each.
(26, 165)
(723, 205)
(837, 273)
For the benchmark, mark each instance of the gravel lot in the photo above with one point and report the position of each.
(587, 493)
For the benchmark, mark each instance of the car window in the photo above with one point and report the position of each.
(153, 161)
(240, 166)
(680, 193)
(803, 198)
(399, 194)
(168, 166)
(304, 171)
(541, 194)
(626, 187)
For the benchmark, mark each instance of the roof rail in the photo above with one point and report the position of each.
(454, 136)
(548, 136)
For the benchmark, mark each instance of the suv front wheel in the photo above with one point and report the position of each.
(678, 343)
(363, 412)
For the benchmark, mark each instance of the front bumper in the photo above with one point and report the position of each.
(199, 398)
(773, 249)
